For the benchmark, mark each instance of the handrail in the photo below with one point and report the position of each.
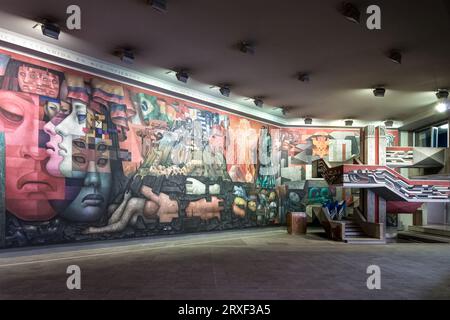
(372, 229)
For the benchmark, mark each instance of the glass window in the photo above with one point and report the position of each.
(432, 137)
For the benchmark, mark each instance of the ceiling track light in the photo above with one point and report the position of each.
(158, 5)
(247, 47)
(351, 12)
(182, 75)
(442, 94)
(225, 90)
(286, 110)
(389, 123)
(258, 102)
(379, 92)
(303, 77)
(308, 121)
(126, 55)
(395, 56)
(49, 29)
(348, 123)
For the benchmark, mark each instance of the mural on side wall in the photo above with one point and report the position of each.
(90, 159)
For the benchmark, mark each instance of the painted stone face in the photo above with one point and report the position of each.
(91, 156)
(53, 149)
(37, 81)
(25, 177)
(71, 128)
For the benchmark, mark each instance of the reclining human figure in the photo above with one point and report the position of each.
(153, 206)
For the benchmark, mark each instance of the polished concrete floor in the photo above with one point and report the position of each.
(252, 264)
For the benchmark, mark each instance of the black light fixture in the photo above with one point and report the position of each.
(182, 75)
(50, 29)
(225, 90)
(303, 77)
(247, 47)
(308, 121)
(127, 56)
(348, 123)
(258, 102)
(285, 110)
(395, 56)
(159, 5)
(351, 12)
(379, 92)
(442, 94)
(389, 123)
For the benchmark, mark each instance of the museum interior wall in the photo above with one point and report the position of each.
(85, 158)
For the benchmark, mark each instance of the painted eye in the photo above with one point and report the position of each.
(79, 144)
(144, 106)
(102, 147)
(10, 116)
(81, 117)
(102, 162)
(79, 159)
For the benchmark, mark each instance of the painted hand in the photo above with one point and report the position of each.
(195, 187)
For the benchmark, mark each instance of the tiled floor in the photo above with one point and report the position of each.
(253, 264)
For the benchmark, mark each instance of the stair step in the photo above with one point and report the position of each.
(364, 241)
(353, 228)
(422, 237)
(430, 230)
(355, 234)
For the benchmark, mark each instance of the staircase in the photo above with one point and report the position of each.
(355, 235)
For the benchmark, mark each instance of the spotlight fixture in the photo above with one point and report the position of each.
(308, 121)
(395, 56)
(49, 29)
(389, 123)
(225, 90)
(127, 56)
(286, 110)
(348, 123)
(442, 94)
(303, 77)
(258, 102)
(182, 76)
(159, 5)
(247, 47)
(351, 12)
(379, 92)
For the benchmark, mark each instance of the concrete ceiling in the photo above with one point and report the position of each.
(345, 60)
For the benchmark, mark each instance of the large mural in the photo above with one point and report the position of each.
(85, 158)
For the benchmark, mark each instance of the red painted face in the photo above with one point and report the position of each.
(28, 185)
